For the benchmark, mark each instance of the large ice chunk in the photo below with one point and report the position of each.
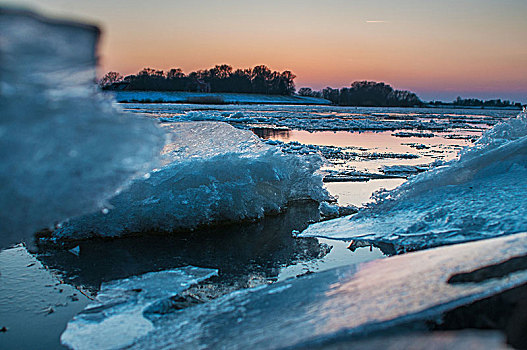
(481, 195)
(63, 146)
(214, 174)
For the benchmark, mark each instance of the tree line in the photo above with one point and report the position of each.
(474, 102)
(367, 94)
(221, 78)
(261, 80)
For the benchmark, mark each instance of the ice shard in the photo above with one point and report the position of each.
(64, 147)
(120, 313)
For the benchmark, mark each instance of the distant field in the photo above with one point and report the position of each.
(212, 98)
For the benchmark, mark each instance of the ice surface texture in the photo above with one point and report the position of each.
(428, 120)
(481, 195)
(311, 122)
(121, 310)
(215, 173)
(342, 302)
(64, 148)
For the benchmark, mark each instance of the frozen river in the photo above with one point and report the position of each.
(364, 152)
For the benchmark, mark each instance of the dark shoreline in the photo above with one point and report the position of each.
(224, 103)
(292, 103)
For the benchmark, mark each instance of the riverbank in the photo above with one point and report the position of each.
(182, 97)
(212, 98)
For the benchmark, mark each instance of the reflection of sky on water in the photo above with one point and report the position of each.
(358, 193)
(270, 133)
(431, 149)
(371, 140)
(35, 305)
(339, 255)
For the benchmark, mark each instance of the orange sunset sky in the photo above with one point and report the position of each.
(438, 49)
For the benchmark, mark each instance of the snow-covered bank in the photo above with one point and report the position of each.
(214, 174)
(212, 98)
(64, 148)
(481, 195)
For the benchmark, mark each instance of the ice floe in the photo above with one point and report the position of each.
(481, 195)
(214, 174)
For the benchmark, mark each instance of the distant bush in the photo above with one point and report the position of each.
(206, 99)
(305, 91)
(474, 102)
(371, 94)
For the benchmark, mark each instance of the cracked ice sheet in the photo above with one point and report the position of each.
(121, 310)
(340, 302)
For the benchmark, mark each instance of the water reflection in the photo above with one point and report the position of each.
(372, 140)
(238, 251)
(272, 133)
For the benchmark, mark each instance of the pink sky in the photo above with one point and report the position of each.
(441, 49)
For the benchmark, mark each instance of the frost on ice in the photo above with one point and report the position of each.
(123, 308)
(213, 174)
(481, 195)
(64, 148)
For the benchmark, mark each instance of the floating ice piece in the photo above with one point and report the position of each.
(402, 169)
(342, 302)
(75, 251)
(481, 195)
(329, 211)
(335, 152)
(217, 174)
(64, 148)
(121, 310)
(413, 134)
